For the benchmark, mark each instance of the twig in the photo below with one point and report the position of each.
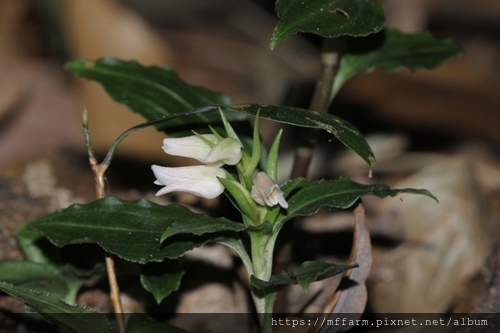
(100, 185)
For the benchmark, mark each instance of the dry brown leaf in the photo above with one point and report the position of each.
(444, 244)
(352, 294)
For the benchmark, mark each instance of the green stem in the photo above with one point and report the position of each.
(320, 102)
(262, 259)
(330, 60)
(121, 137)
(260, 255)
(267, 326)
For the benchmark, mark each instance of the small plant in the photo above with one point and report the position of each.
(151, 237)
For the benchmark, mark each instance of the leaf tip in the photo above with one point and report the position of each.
(164, 236)
(432, 196)
(278, 35)
(273, 43)
(428, 194)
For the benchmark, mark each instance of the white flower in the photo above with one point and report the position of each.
(225, 151)
(200, 180)
(266, 192)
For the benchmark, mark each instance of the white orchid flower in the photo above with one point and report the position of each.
(218, 153)
(266, 192)
(200, 180)
(189, 146)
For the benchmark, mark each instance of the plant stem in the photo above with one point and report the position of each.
(266, 325)
(262, 261)
(262, 252)
(114, 289)
(320, 102)
(100, 185)
(330, 60)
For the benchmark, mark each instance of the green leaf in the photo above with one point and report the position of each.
(277, 282)
(151, 91)
(65, 281)
(346, 133)
(272, 160)
(129, 229)
(36, 248)
(306, 197)
(327, 18)
(392, 50)
(309, 271)
(78, 318)
(202, 226)
(139, 323)
(162, 279)
(34, 276)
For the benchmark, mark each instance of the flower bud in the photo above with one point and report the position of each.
(266, 192)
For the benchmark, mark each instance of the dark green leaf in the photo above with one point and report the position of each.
(277, 282)
(346, 133)
(392, 50)
(34, 276)
(139, 323)
(201, 227)
(151, 91)
(161, 279)
(129, 229)
(327, 18)
(310, 271)
(78, 318)
(37, 248)
(305, 196)
(65, 281)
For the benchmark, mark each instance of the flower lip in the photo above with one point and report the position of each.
(266, 192)
(200, 180)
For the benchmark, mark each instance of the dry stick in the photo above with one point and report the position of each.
(99, 170)
(100, 185)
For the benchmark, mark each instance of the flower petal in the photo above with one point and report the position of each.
(258, 196)
(226, 151)
(276, 197)
(190, 146)
(266, 192)
(200, 180)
